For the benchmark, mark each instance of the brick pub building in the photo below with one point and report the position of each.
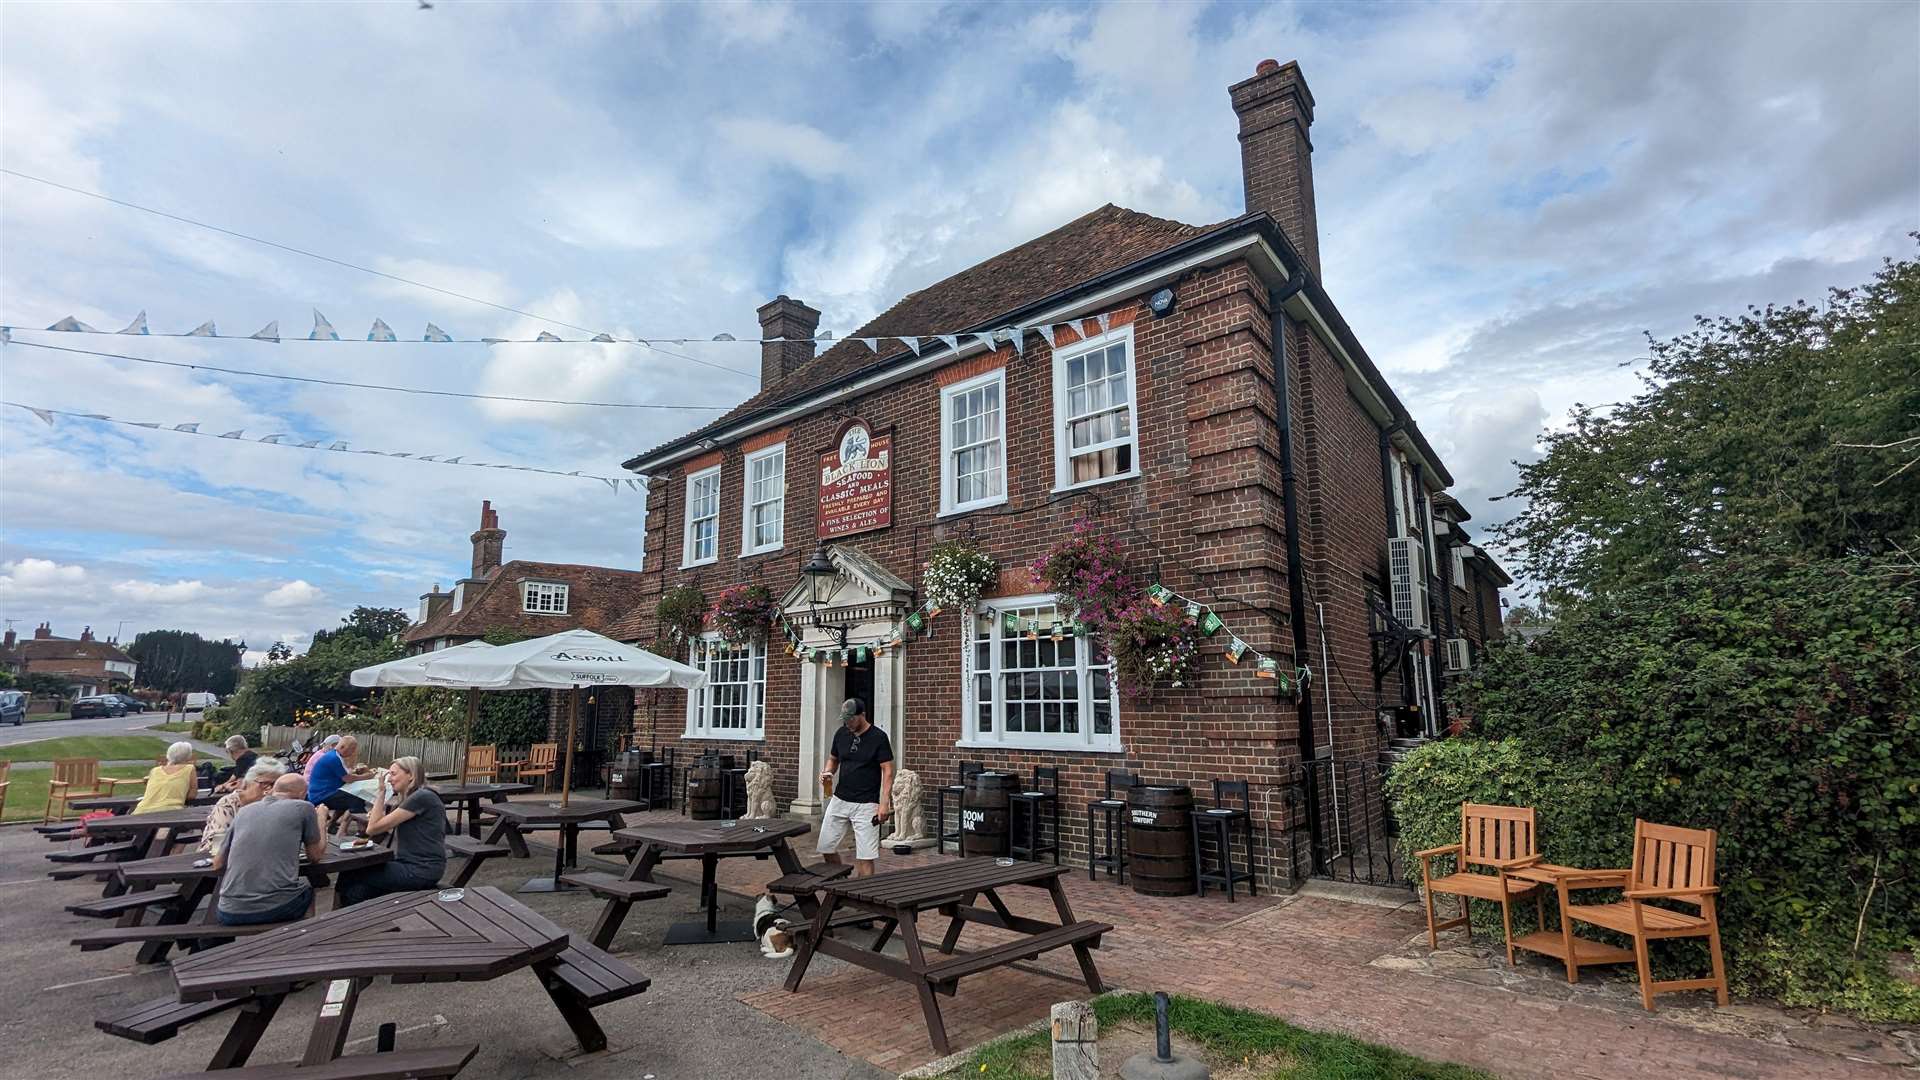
(1202, 400)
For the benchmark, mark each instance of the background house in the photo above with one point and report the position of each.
(89, 665)
(1190, 390)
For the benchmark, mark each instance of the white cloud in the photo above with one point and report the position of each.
(293, 594)
(27, 579)
(154, 592)
(802, 147)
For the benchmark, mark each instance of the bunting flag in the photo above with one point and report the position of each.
(138, 325)
(322, 329)
(205, 329)
(269, 332)
(279, 439)
(434, 333)
(1046, 334)
(71, 325)
(381, 331)
(912, 344)
(1211, 623)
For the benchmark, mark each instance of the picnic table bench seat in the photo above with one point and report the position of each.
(200, 933)
(435, 1063)
(114, 906)
(94, 853)
(809, 879)
(66, 830)
(595, 977)
(944, 973)
(619, 845)
(472, 852)
(620, 895)
(162, 1018)
(75, 871)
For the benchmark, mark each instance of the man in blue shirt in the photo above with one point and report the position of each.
(331, 770)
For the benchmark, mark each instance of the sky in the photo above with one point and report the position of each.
(1510, 197)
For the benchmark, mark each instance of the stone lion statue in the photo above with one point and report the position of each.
(760, 791)
(909, 816)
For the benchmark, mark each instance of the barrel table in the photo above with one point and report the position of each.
(625, 780)
(1159, 839)
(983, 813)
(706, 780)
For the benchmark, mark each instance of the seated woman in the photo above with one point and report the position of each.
(230, 777)
(169, 785)
(253, 787)
(418, 821)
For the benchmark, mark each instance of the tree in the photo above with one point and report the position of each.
(279, 651)
(181, 661)
(1791, 429)
(369, 625)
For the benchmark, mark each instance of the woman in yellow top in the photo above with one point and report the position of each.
(169, 785)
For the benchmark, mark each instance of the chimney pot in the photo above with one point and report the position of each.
(11, 637)
(489, 541)
(43, 631)
(1276, 153)
(786, 330)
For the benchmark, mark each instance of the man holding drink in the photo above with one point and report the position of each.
(863, 795)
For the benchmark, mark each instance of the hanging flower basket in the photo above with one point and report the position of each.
(958, 574)
(1153, 646)
(742, 613)
(682, 610)
(1088, 576)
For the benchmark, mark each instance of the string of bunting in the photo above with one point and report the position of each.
(1237, 650)
(380, 331)
(324, 445)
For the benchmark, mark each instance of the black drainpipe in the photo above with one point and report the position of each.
(1290, 504)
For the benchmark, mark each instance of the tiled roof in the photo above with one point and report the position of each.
(64, 649)
(596, 597)
(1086, 247)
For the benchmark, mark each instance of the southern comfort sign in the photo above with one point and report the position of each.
(856, 483)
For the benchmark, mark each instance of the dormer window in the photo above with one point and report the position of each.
(543, 598)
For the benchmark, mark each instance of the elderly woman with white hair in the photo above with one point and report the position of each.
(254, 786)
(169, 784)
(231, 777)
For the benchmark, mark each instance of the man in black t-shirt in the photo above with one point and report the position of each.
(863, 794)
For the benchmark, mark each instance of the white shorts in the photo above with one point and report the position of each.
(833, 828)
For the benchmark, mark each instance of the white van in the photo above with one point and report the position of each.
(201, 702)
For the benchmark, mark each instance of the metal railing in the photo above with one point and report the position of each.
(1340, 826)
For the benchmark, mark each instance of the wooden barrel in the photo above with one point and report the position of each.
(983, 813)
(704, 781)
(623, 777)
(1159, 839)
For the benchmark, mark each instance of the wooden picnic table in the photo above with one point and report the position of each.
(121, 804)
(140, 832)
(951, 888)
(708, 841)
(197, 882)
(469, 796)
(513, 819)
(442, 935)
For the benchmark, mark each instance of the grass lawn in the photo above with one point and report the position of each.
(104, 747)
(27, 791)
(1237, 1042)
(37, 718)
(183, 727)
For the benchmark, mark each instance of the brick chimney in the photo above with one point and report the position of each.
(43, 632)
(1276, 156)
(487, 542)
(10, 638)
(86, 633)
(783, 317)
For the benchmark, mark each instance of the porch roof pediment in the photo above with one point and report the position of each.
(862, 585)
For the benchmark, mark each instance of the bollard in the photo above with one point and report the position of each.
(1163, 1063)
(1076, 1042)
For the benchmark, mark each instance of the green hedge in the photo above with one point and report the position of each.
(1775, 701)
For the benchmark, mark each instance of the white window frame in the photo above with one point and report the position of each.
(552, 588)
(1083, 740)
(948, 395)
(748, 505)
(1459, 568)
(700, 702)
(1062, 456)
(686, 537)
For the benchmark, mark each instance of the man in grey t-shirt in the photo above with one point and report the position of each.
(260, 858)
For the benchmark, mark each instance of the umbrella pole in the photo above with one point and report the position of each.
(573, 721)
(466, 737)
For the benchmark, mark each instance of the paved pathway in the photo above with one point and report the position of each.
(1306, 959)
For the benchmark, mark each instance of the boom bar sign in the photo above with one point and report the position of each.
(856, 483)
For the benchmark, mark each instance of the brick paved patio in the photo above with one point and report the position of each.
(1306, 959)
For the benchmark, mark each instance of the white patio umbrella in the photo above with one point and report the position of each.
(412, 671)
(565, 661)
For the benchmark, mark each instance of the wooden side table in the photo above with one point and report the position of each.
(1562, 944)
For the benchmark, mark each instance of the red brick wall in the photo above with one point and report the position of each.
(1204, 518)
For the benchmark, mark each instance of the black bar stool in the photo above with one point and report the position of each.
(940, 833)
(733, 785)
(656, 778)
(1039, 801)
(1214, 827)
(1112, 808)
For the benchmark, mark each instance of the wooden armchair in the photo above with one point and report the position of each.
(78, 778)
(1669, 863)
(5, 768)
(541, 761)
(482, 764)
(1500, 838)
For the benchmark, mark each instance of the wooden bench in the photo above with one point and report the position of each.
(75, 871)
(618, 846)
(114, 906)
(98, 852)
(809, 879)
(199, 934)
(582, 978)
(437, 1063)
(620, 895)
(473, 852)
(162, 1018)
(67, 830)
(945, 973)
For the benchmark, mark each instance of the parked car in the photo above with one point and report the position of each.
(13, 707)
(200, 702)
(133, 704)
(97, 705)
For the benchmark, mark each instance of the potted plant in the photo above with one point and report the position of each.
(958, 574)
(742, 613)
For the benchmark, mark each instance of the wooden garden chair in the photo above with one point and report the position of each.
(1669, 863)
(482, 764)
(5, 768)
(78, 778)
(541, 761)
(1498, 838)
